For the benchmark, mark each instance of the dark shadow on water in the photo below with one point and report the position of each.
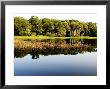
(56, 58)
(56, 47)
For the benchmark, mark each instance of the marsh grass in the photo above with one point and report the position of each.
(20, 44)
(38, 42)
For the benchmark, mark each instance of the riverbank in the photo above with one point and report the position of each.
(47, 37)
(32, 43)
(45, 46)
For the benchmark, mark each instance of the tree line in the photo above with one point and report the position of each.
(53, 27)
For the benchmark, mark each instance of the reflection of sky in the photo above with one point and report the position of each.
(65, 65)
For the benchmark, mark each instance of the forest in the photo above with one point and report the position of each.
(61, 47)
(53, 27)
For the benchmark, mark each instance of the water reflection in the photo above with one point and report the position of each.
(56, 58)
(55, 47)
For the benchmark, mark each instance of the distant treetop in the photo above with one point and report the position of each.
(53, 27)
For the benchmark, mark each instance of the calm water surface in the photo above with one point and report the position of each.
(57, 61)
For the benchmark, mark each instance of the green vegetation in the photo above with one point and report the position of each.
(53, 28)
(47, 37)
(30, 34)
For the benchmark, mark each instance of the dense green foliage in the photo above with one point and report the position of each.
(53, 27)
(22, 27)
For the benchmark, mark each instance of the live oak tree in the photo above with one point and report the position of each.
(53, 27)
(22, 26)
(34, 20)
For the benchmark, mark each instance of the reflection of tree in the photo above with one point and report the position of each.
(52, 51)
(55, 47)
(20, 53)
(34, 54)
(91, 42)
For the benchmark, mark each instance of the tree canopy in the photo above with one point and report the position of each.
(22, 26)
(53, 27)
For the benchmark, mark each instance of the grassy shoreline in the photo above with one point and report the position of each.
(47, 37)
(33, 42)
